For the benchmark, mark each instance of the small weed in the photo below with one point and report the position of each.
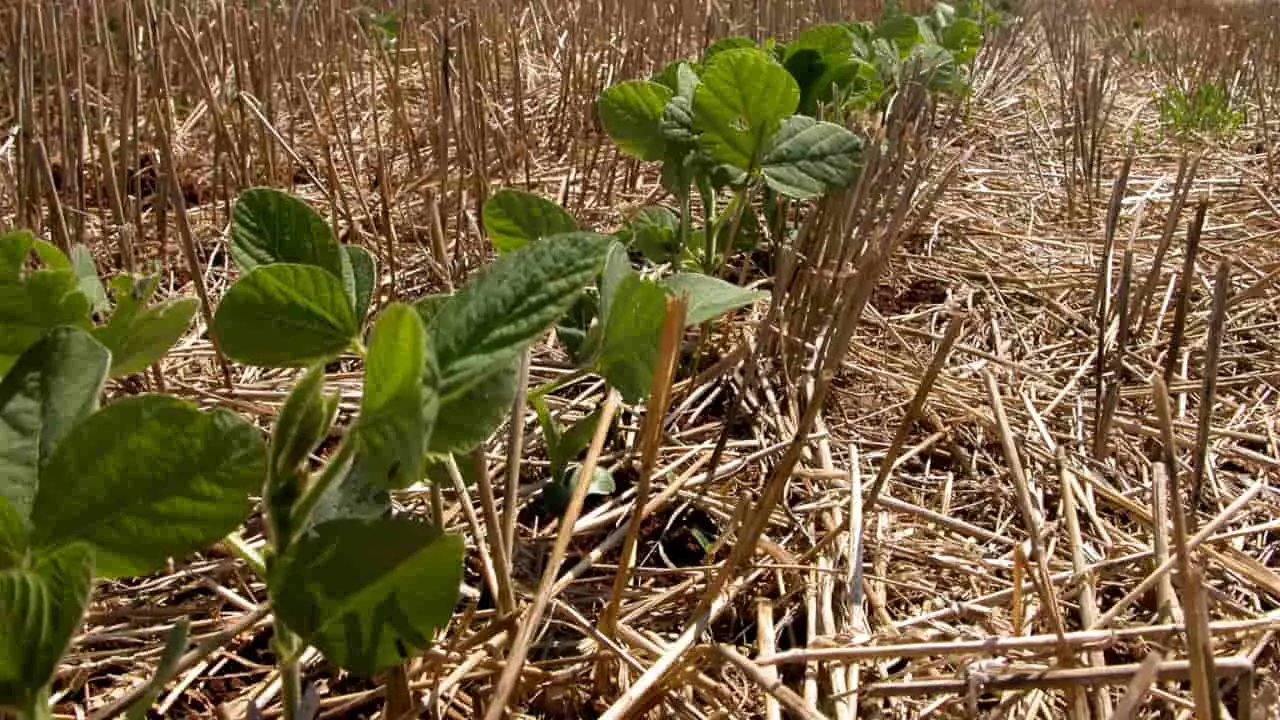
(1208, 108)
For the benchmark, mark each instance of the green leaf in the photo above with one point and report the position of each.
(40, 610)
(438, 470)
(514, 218)
(302, 425)
(358, 495)
(602, 482)
(617, 267)
(740, 103)
(369, 594)
(467, 420)
(676, 128)
(570, 443)
(51, 256)
(631, 112)
(508, 305)
(575, 331)
(166, 669)
(428, 306)
(709, 297)
(557, 493)
(271, 226)
(137, 335)
(285, 315)
(808, 158)
(15, 246)
(819, 58)
(90, 283)
(679, 77)
(364, 273)
(32, 305)
(654, 232)
(393, 423)
(735, 42)
(632, 333)
(178, 480)
(936, 64)
(904, 31)
(13, 535)
(962, 37)
(54, 386)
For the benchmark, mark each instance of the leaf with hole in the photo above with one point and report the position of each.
(53, 387)
(178, 480)
(740, 103)
(137, 335)
(709, 297)
(369, 594)
(41, 606)
(285, 315)
(631, 113)
(514, 218)
(808, 158)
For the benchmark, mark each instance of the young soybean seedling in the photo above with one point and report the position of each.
(67, 292)
(366, 589)
(745, 119)
(79, 499)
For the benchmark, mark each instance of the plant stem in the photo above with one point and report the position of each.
(547, 388)
(334, 470)
(290, 683)
(238, 547)
(738, 206)
(37, 706)
(709, 225)
(685, 222)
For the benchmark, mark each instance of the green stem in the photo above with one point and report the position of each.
(685, 223)
(738, 206)
(290, 685)
(236, 543)
(709, 226)
(37, 706)
(334, 470)
(549, 387)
